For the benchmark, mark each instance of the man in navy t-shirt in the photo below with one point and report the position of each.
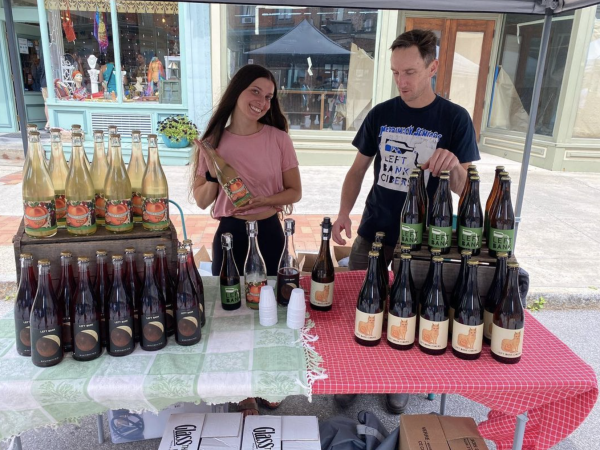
(417, 127)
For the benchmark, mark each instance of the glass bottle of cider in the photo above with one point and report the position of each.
(166, 285)
(433, 321)
(33, 127)
(98, 173)
(23, 303)
(368, 322)
(440, 225)
(502, 222)
(155, 191)
(85, 316)
(117, 192)
(467, 329)
(255, 270)
(39, 203)
(102, 290)
(490, 200)
(402, 316)
(65, 295)
(119, 314)
(195, 277)
(231, 296)
(135, 170)
(470, 220)
(323, 276)
(112, 130)
(412, 217)
(59, 170)
(153, 333)
(187, 308)
(80, 194)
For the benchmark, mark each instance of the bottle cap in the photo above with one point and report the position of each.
(187, 242)
(471, 166)
(376, 246)
(405, 256)
(513, 265)
(405, 248)
(100, 252)
(472, 262)
(444, 177)
(227, 240)
(43, 262)
(117, 257)
(65, 253)
(438, 259)
(252, 227)
(130, 250)
(148, 255)
(83, 259)
(503, 174)
(161, 247)
(414, 174)
(380, 233)
(152, 136)
(474, 177)
(26, 256)
(55, 130)
(373, 254)
(289, 225)
(502, 255)
(466, 252)
(182, 251)
(436, 251)
(499, 167)
(505, 179)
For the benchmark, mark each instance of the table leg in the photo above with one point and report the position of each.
(17, 443)
(443, 405)
(100, 429)
(519, 431)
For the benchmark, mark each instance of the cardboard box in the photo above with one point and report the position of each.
(203, 261)
(211, 431)
(339, 253)
(306, 260)
(433, 432)
(281, 433)
(182, 432)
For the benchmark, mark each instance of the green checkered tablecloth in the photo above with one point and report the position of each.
(236, 358)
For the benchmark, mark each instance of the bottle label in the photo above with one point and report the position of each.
(155, 212)
(40, 218)
(188, 325)
(231, 295)
(237, 192)
(153, 331)
(23, 333)
(87, 340)
(120, 336)
(368, 327)
(321, 294)
(118, 215)
(81, 216)
(440, 237)
(136, 205)
(45, 346)
(100, 207)
(401, 330)
(488, 321)
(61, 208)
(469, 238)
(467, 339)
(433, 335)
(253, 290)
(411, 233)
(507, 343)
(501, 240)
(286, 283)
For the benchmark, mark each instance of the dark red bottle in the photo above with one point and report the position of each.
(166, 285)
(23, 302)
(196, 278)
(85, 316)
(187, 311)
(102, 289)
(65, 294)
(133, 286)
(119, 314)
(153, 335)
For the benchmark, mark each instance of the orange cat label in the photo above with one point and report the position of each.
(433, 335)
(507, 343)
(467, 339)
(488, 318)
(368, 326)
(321, 294)
(401, 330)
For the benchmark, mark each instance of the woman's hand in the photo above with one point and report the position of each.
(255, 202)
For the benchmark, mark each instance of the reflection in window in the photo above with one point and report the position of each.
(515, 74)
(322, 59)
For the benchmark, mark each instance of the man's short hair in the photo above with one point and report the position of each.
(424, 40)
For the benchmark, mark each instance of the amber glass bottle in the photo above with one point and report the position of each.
(322, 279)
(433, 323)
(467, 330)
(402, 316)
(368, 323)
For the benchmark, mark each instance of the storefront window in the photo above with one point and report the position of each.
(587, 124)
(149, 36)
(515, 74)
(322, 58)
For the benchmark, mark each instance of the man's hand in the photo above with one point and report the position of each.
(342, 223)
(441, 159)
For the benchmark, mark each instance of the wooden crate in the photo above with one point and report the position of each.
(50, 248)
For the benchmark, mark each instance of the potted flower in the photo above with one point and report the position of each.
(177, 131)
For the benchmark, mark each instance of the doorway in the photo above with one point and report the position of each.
(32, 71)
(464, 49)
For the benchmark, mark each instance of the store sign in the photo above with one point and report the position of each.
(24, 46)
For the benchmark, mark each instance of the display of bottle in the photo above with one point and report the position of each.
(102, 286)
(322, 278)
(255, 270)
(46, 321)
(187, 308)
(490, 200)
(133, 286)
(76, 129)
(288, 270)
(166, 285)
(440, 225)
(117, 192)
(428, 278)
(467, 330)
(234, 187)
(196, 278)
(502, 222)
(471, 171)
(231, 294)
(494, 296)
(433, 321)
(85, 316)
(65, 294)
(39, 202)
(469, 234)
(23, 304)
(412, 217)
(32, 127)
(368, 323)
(112, 130)
(80, 194)
(383, 273)
(383, 265)
(98, 172)
(402, 315)
(153, 333)
(509, 321)
(497, 196)
(459, 286)
(135, 170)
(155, 191)
(119, 314)
(59, 170)
(423, 193)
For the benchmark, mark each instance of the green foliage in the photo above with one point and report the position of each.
(537, 305)
(177, 128)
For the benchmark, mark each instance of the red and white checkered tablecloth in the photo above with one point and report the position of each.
(551, 383)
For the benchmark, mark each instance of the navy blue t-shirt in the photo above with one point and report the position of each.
(400, 137)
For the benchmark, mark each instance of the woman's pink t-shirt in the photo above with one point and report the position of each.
(259, 159)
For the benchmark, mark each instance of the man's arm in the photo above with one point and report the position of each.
(350, 191)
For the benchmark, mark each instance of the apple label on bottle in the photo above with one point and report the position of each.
(155, 213)
(119, 216)
(40, 218)
(81, 215)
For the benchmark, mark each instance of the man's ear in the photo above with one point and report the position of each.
(433, 67)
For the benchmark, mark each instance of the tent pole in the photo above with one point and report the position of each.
(535, 102)
(13, 53)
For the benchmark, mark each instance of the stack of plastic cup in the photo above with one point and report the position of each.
(296, 313)
(267, 307)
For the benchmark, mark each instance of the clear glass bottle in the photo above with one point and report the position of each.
(196, 278)
(59, 170)
(98, 172)
(412, 218)
(155, 191)
(153, 334)
(433, 322)
(23, 304)
(288, 271)
(467, 330)
(440, 225)
(85, 316)
(33, 127)
(231, 295)
(119, 314)
(39, 203)
(368, 323)
(76, 129)
(255, 270)
(322, 279)
(80, 194)
(402, 315)
(65, 295)
(112, 130)
(166, 284)
(102, 290)
(187, 311)
(117, 192)
(135, 170)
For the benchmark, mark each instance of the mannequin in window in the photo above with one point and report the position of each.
(80, 92)
(156, 72)
(93, 72)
